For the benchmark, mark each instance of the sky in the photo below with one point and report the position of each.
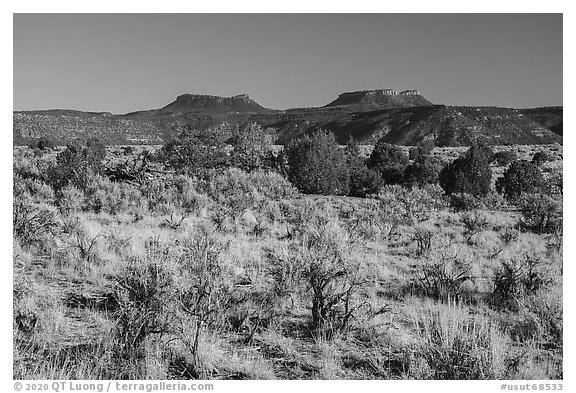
(126, 62)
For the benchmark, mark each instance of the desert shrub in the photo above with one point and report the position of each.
(423, 237)
(363, 222)
(316, 267)
(509, 235)
(43, 143)
(540, 213)
(503, 158)
(157, 193)
(495, 201)
(474, 222)
(423, 171)
(202, 289)
(554, 181)
(363, 181)
(465, 202)
(187, 195)
(425, 148)
(541, 157)
(70, 200)
(521, 177)
(85, 245)
(272, 185)
(318, 165)
(469, 173)
(332, 280)
(457, 346)
(142, 289)
(252, 148)
(38, 191)
(33, 225)
(76, 163)
(104, 195)
(117, 242)
(546, 308)
(26, 166)
(442, 279)
(518, 278)
(128, 150)
(233, 190)
(285, 271)
(407, 206)
(194, 151)
(388, 160)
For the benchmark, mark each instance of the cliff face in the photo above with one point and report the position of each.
(206, 104)
(384, 99)
(404, 118)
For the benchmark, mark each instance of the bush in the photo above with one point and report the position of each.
(158, 194)
(39, 191)
(42, 143)
(233, 190)
(407, 206)
(105, 195)
(332, 280)
(188, 196)
(474, 222)
(425, 148)
(363, 181)
(541, 213)
(442, 279)
(465, 202)
(388, 160)
(518, 278)
(469, 173)
(33, 224)
(554, 181)
(272, 185)
(521, 177)
(194, 151)
(541, 157)
(503, 158)
(76, 163)
(202, 289)
(127, 150)
(70, 200)
(142, 288)
(252, 148)
(423, 237)
(318, 165)
(424, 171)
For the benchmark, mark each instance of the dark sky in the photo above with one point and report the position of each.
(122, 63)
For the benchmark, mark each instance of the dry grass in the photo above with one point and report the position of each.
(258, 286)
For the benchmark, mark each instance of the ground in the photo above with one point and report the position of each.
(223, 282)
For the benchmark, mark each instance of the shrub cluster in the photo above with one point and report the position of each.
(318, 165)
(469, 173)
(520, 178)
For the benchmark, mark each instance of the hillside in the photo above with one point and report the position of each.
(549, 117)
(387, 98)
(404, 118)
(206, 104)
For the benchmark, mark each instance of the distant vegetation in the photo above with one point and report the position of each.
(219, 256)
(405, 119)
